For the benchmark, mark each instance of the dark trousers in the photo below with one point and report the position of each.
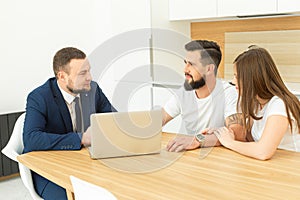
(47, 189)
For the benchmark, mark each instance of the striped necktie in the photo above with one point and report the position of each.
(78, 115)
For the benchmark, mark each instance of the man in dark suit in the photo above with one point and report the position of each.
(53, 116)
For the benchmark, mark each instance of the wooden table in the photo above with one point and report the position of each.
(222, 174)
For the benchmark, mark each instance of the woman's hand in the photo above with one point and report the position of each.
(225, 136)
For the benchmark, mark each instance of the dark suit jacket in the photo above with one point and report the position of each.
(48, 124)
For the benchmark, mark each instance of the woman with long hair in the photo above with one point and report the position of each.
(271, 113)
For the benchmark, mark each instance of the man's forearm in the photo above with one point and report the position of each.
(211, 140)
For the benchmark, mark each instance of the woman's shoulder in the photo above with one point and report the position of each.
(276, 106)
(275, 100)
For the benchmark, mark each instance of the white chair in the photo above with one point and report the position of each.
(86, 191)
(14, 148)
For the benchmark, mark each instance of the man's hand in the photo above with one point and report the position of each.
(182, 143)
(86, 137)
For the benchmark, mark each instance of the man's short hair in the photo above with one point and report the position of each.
(63, 57)
(210, 52)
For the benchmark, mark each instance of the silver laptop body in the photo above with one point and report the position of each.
(125, 134)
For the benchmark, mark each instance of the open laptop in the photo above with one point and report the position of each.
(120, 134)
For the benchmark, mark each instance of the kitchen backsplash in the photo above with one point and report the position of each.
(284, 47)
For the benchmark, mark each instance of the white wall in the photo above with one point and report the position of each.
(33, 30)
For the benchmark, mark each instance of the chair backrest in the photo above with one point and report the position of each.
(86, 191)
(14, 148)
(15, 145)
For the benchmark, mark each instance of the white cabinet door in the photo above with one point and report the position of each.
(126, 71)
(246, 7)
(130, 96)
(288, 6)
(160, 97)
(192, 9)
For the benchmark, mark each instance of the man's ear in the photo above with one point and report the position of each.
(210, 69)
(61, 75)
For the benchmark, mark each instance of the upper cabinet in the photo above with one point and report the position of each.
(246, 7)
(218, 9)
(286, 6)
(192, 9)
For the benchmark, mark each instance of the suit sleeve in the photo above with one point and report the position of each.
(103, 104)
(44, 128)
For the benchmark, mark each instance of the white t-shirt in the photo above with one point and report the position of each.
(198, 114)
(290, 141)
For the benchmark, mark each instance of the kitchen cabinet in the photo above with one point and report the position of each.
(220, 9)
(126, 75)
(130, 96)
(286, 6)
(192, 9)
(246, 7)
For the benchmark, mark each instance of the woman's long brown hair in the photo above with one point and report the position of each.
(257, 75)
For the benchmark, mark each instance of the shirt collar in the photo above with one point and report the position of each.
(67, 97)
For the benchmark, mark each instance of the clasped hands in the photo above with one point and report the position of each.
(225, 135)
(186, 142)
(86, 137)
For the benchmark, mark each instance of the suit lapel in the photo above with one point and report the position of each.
(61, 104)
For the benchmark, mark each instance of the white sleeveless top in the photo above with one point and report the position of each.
(291, 140)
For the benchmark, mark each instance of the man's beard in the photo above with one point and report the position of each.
(76, 91)
(194, 84)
